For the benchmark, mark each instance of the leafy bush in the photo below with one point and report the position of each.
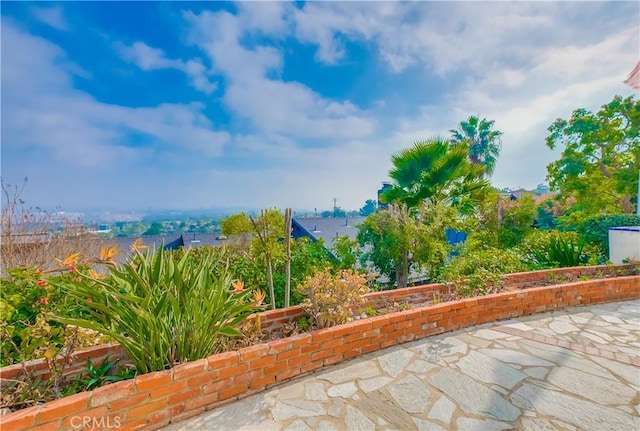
(476, 271)
(26, 332)
(330, 298)
(562, 253)
(163, 309)
(595, 230)
(553, 249)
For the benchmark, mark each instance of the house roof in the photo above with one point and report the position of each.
(329, 228)
(186, 240)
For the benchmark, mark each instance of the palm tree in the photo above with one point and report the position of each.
(433, 171)
(484, 143)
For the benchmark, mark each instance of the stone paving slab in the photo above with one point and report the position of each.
(569, 370)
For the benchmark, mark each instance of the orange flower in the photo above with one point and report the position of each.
(42, 283)
(258, 297)
(89, 300)
(69, 261)
(108, 253)
(138, 245)
(238, 286)
(44, 301)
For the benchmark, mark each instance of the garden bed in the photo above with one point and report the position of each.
(153, 400)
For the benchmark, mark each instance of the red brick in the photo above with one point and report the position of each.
(205, 401)
(63, 407)
(125, 403)
(298, 360)
(371, 348)
(266, 360)
(276, 368)
(166, 414)
(301, 339)
(180, 397)
(189, 369)
(49, 426)
(222, 360)
(263, 381)
(92, 416)
(287, 374)
(233, 391)
(332, 359)
(20, 419)
(165, 390)
(322, 335)
(281, 345)
(351, 354)
(248, 376)
(145, 382)
(202, 379)
(288, 354)
(233, 371)
(320, 354)
(146, 409)
(253, 352)
(217, 386)
(138, 424)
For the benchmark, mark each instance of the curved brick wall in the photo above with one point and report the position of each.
(153, 400)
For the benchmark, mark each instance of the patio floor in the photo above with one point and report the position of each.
(574, 369)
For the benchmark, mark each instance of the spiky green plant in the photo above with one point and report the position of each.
(163, 308)
(562, 253)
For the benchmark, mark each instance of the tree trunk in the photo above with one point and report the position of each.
(287, 262)
(270, 281)
(402, 274)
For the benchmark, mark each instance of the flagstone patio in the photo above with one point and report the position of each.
(575, 369)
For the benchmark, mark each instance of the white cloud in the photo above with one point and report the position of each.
(148, 58)
(52, 16)
(272, 106)
(522, 64)
(43, 112)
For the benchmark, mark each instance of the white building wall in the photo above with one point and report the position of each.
(624, 243)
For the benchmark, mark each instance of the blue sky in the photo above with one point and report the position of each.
(134, 105)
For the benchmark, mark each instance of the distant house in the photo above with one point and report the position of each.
(169, 242)
(328, 229)
(516, 194)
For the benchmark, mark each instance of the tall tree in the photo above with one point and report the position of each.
(396, 242)
(433, 171)
(483, 142)
(600, 160)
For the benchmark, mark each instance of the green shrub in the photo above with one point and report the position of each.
(476, 271)
(553, 249)
(562, 253)
(161, 307)
(26, 332)
(595, 230)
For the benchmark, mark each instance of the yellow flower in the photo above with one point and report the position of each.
(258, 297)
(108, 253)
(69, 260)
(95, 275)
(238, 286)
(138, 245)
